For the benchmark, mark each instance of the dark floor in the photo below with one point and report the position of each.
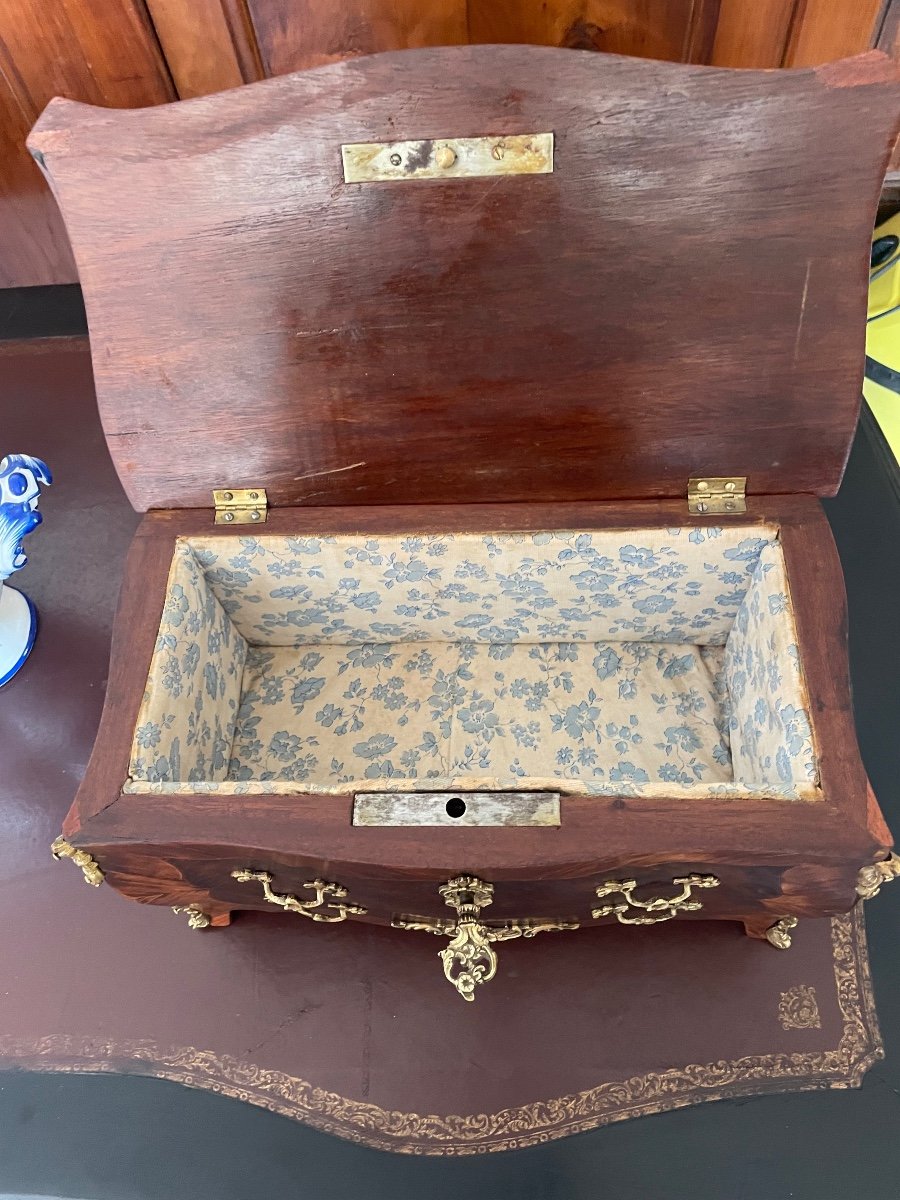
(117, 1137)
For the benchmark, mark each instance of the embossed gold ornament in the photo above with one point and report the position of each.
(316, 909)
(871, 877)
(91, 871)
(655, 909)
(470, 960)
(197, 918)
(799, 1008)
(779, 934)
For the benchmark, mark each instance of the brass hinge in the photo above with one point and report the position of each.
(240, 506)
(717, 495)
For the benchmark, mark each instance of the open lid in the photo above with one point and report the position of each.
(683, 294)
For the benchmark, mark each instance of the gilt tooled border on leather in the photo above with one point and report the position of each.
(511, 1128)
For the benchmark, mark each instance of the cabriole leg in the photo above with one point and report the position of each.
(205, 917)
(777, 934)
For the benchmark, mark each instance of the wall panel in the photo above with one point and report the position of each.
(104, 53)
(294, 34)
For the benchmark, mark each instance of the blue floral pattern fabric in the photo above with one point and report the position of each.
(771, 738)
(659, 585)
(620, 712)
(638, 662)
(186, 724)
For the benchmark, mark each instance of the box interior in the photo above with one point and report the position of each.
(637, 662)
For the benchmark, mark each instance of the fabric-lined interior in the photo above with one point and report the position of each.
(639, 662)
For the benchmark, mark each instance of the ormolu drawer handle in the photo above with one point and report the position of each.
(659, 908)
(470, 959)
(316, 909)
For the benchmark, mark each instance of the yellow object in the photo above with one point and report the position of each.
(881, 386)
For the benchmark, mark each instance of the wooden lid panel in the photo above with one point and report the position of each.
(684, 295)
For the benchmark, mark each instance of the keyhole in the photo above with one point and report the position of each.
(456, 807)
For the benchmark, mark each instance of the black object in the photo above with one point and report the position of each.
(33, 312)
(883, 248)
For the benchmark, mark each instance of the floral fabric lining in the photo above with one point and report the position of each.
(659, 585)
(769, 731)
(186, 724)
(640, 662)
(618, 712)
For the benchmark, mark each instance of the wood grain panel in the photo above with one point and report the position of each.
(206, 50)
(243, 35)
(60, 48)
(647, 28)
(295, 34)
(50, 48)
(889, 33)
(889, 42)
(701, 34)
(34, 248)
(523, 337)
(823, 30)
(753, 35)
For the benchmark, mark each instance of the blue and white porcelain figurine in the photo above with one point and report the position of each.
(20, 477)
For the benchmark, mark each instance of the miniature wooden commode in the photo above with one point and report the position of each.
(479, 400)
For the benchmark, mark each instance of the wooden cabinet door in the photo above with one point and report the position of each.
(295, 34)
(889, 42)
(101, 53)
(675, 30)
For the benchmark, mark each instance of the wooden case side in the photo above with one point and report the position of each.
(819, 605)
(187, 873)
(141, 598)
(816, 847)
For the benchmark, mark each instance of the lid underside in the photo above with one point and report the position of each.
(682, 295)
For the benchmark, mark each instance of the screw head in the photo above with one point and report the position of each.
(229, 516)
(729, 486)
(396, 160)
(254, 516)
(445, 156)
(228, 495)
(498, 151)
(702, 506)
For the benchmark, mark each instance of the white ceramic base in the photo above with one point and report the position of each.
(18, 626)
